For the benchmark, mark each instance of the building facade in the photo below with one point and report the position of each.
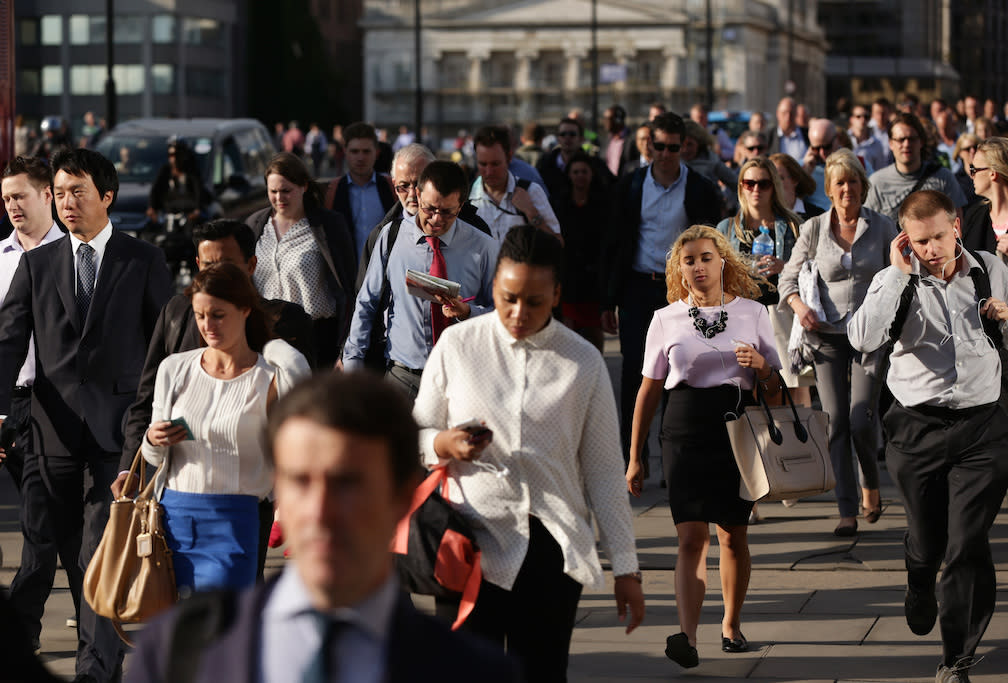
(979, 48)
(179, 58)
(512, 62)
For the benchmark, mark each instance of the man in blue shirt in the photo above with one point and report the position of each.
(469, 259)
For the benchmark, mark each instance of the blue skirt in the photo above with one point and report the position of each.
(214, 539)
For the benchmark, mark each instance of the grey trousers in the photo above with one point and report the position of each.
(848, 397)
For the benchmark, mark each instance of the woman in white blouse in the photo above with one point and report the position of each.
(552, 463)
(708, 348)
(209, 410)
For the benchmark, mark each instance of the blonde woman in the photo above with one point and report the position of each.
(985, 223)
(849, 243)
(708, 348)
(962, 154)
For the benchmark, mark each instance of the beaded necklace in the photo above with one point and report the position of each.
(705, 328)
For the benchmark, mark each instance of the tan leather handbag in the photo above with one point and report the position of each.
(131, 578)
(781, 452)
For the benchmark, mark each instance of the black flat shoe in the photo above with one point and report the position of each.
(872, 515)
(739, 644)
(678, 649)
(846, 530)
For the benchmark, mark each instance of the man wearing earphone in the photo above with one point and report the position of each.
(943, 309)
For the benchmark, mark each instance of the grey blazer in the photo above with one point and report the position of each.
(841, 290)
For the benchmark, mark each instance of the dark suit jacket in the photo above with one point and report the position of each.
(702, 202)
(341, 200)
(420, 648)
(176, 331)
(977, 230)
(556, 180)
(86, 372)
(773, 142)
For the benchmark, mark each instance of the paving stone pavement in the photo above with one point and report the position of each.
(818, 609)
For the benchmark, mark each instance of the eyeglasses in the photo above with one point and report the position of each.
(971, 149)
(670, 146)
(909, 138)
(859, 116)
(756, 148)
(404, 188)
(762, 183)
(973, 170)
(567, 134)
(444, 213)
(827, 146)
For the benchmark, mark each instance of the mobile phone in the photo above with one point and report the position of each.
(477, 430)
(181, 422)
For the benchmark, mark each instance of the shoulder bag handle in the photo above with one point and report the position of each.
(775, 434)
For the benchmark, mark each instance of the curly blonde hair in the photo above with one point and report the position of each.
(736, 279)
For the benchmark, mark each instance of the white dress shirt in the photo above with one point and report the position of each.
(10, 257)
(555, 449)
(291, 638)
(98, 243)
(503, 216)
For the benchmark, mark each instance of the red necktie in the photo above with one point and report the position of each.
(437, 269)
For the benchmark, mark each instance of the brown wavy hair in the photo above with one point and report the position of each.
(736, 279)
(230, 283)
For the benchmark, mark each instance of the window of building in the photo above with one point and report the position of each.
(454, 71)
(163, 28)
(129, 30)
(87, 79)
(52, 29)
(52, 80)
(87, 30)
(548, 70)
(28, 30)
(129, 79)
(205, 82)
(29, 82)
(502, 70)
(199, 31)
(163, 79)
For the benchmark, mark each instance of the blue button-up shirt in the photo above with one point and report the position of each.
(366, 207)
(470, 258)
(663, 219)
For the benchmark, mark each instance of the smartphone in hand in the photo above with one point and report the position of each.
(478, 432)
(181, 422)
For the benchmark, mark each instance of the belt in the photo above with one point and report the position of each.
(407, 368)
(21, 392)
(650, 277)
(943, 413)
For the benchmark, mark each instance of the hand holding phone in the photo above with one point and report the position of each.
(477, 429)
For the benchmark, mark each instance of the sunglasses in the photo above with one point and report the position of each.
(859, 116)
(909, 138)
(827, 146)
(971, 149)
(973, 170)
(756, 148)
(567, 134)
(662, 146)
(763, 184)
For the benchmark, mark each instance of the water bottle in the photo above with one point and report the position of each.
(763, 245)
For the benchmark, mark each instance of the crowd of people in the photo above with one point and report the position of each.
(455, 318)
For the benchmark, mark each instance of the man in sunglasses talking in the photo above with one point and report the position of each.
(434, 241)
(651, 208)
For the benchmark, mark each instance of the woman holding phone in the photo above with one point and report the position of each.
(208, 414)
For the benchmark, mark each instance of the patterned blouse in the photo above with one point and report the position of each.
(293, 269)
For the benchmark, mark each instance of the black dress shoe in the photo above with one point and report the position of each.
(85, 678)
(739, 644)
(846, 530)
(921, 609)
(678, 649)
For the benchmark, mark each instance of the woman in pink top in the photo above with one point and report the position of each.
(708, 347)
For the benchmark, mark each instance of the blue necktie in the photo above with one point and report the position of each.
(85, 279)
(323, 667)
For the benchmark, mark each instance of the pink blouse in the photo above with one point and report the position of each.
(676, 351)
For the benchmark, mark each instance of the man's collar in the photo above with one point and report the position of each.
(13, 241)
(99, 241)
(420, 236)
(369, 182)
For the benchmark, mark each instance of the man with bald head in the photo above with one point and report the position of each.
(823, 141)
(788, 137)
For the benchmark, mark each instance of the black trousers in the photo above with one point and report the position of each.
(952, 472)
(406, 381)
(535, 619)
(16, 436)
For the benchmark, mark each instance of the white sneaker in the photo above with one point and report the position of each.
(789, 502)
(71, 622)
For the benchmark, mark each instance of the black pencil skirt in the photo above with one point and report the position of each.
(703, 480)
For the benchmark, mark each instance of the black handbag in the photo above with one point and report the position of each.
(435, 550)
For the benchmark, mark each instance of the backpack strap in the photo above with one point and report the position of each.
(982, 286)
(906, 296)
(330, 193)
(386, 289)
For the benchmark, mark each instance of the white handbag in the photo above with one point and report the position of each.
(781, 452)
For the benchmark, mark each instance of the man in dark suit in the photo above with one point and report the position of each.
(91, 299)
(362, 196)
(788, 137)
(651, 208)
(345, 452)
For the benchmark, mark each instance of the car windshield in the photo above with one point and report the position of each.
(138, 158)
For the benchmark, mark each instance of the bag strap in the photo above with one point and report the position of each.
(775, 434)
(982, 286)
(386, 288)
(437, 477)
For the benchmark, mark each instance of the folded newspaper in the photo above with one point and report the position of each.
(426, 286)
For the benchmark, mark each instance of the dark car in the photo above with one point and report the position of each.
(232, 155)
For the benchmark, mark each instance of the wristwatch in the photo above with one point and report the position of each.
(536, 220)
(635, 575)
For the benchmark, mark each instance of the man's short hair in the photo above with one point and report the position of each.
(572, 122)
(924, 204)
(80, 162)
(908, 120)
(882, 102)
(669, 123)
(38, 171)
(532, 246)
(534, 131)
(410, 154)
(488, 136)
(360, 131)
(358, 403)
(447, 178)
(221, 229)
